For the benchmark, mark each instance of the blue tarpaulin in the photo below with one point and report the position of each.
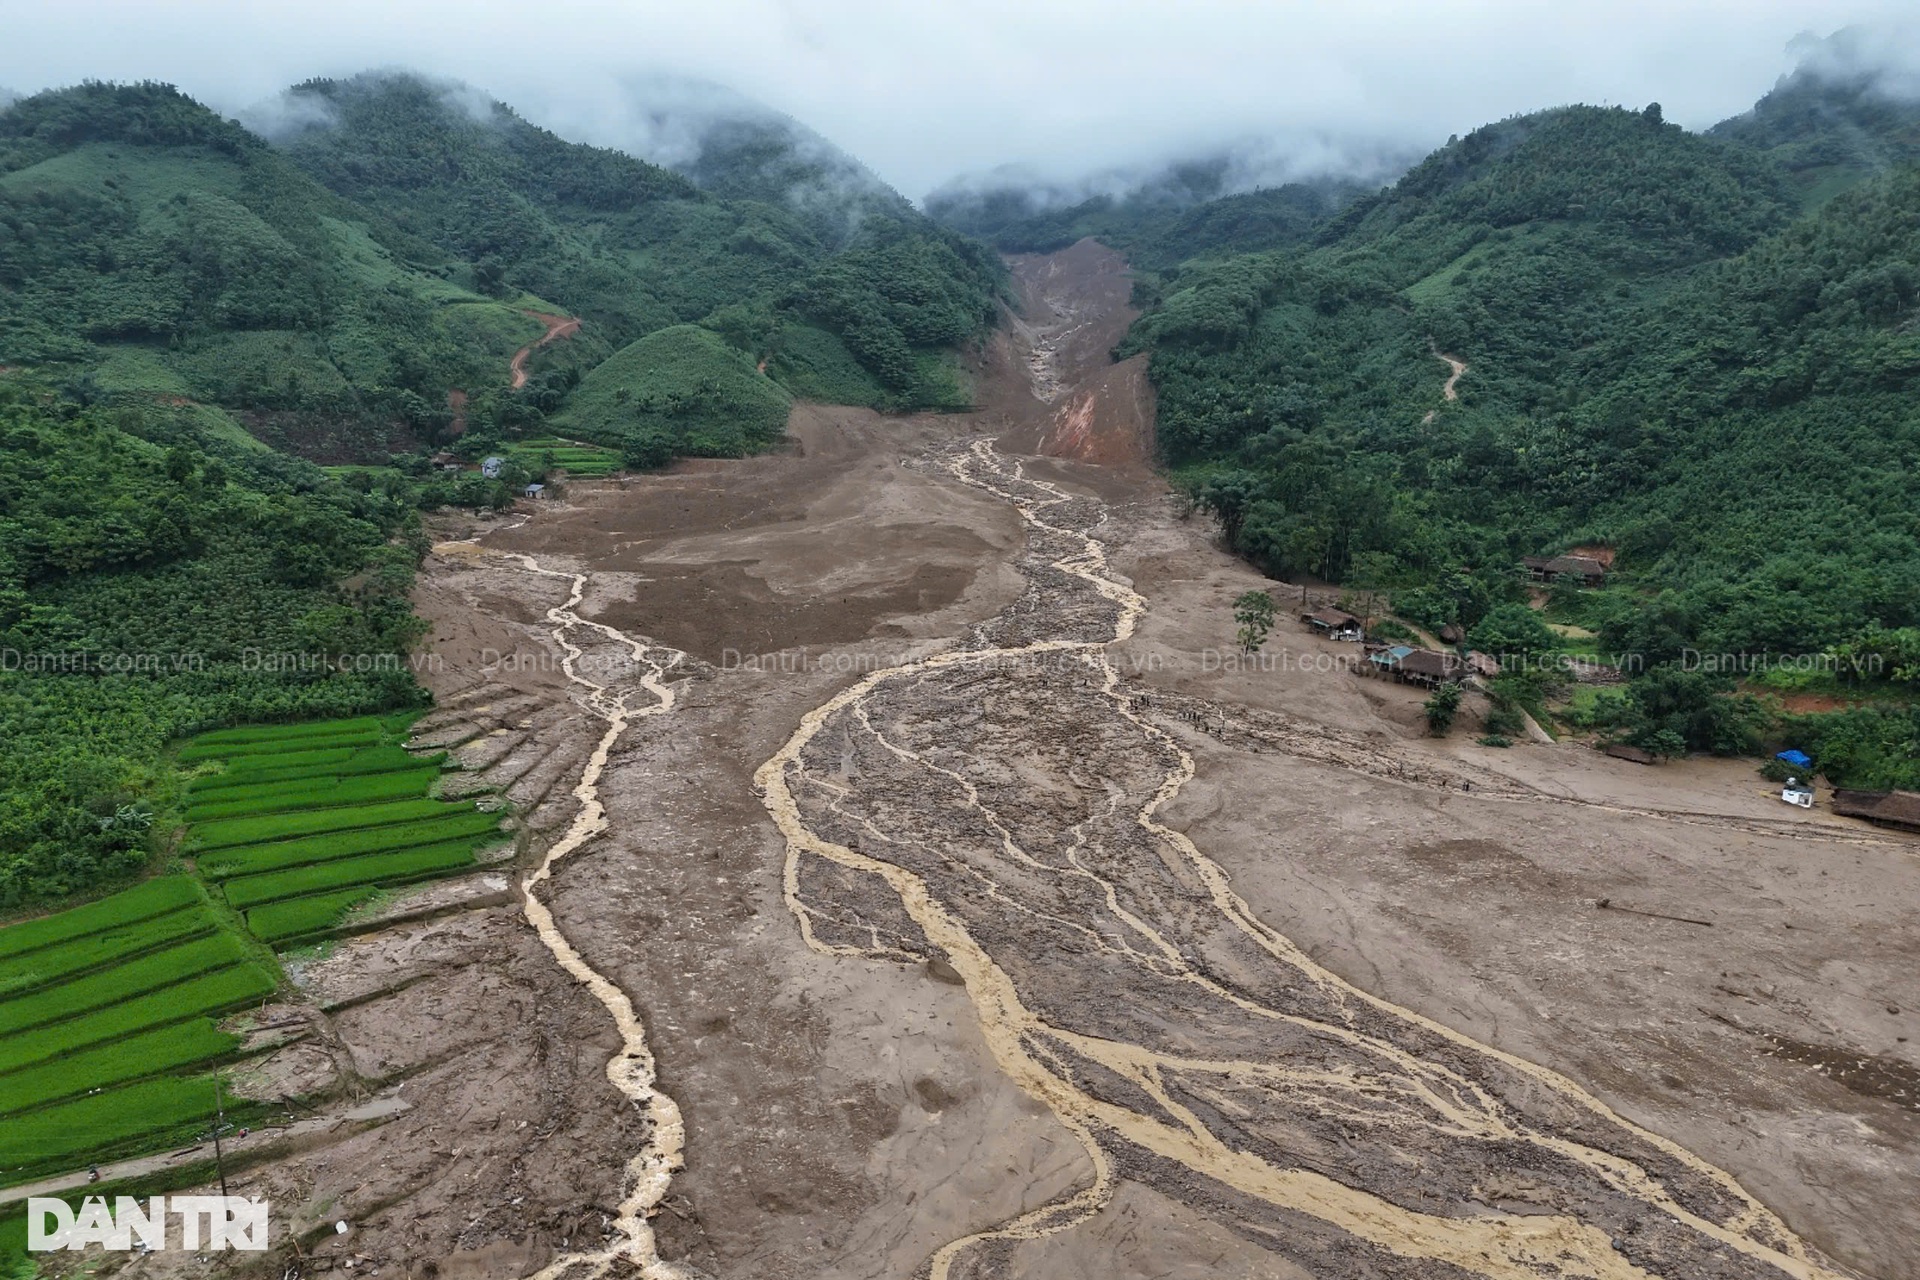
(1798, 759)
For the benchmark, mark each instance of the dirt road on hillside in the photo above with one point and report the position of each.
(986, 917)
(558, 327)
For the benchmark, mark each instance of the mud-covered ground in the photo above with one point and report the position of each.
(1352, 1011)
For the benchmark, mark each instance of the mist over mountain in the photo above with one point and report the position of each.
(1257, 195)
(1851, 107)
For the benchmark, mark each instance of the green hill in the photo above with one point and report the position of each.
(330, 290)
(632, 247)
(1664, 356)
(177, 293)
(152, 252)
(639, 397)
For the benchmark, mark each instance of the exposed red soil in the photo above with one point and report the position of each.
(1801, 704)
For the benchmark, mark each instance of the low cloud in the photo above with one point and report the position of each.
(1887, 59)
(925, 92)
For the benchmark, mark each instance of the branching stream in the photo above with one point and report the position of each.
(994, 807)
(631, 1071)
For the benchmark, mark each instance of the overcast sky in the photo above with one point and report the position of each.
(923, 90)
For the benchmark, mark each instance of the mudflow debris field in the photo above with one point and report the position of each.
(993, 808)
(900, 895)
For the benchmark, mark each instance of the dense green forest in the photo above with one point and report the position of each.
(185, 303)
(327, 291)
(1697, 351)
(149, 591)
(633, 248)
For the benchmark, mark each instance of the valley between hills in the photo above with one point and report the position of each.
(944, 912)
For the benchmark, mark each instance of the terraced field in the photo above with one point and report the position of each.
(582, 461)
(109, 1012)
(108, 1025)
(302, 823)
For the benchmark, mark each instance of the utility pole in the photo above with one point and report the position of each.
(219, 1122)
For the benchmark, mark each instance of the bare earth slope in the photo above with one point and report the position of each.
(985, 919)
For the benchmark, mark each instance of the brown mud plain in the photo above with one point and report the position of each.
(985, 918)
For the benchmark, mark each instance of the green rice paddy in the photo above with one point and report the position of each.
(583, 461)
(109, 1012)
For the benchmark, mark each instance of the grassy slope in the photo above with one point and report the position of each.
(684, 384)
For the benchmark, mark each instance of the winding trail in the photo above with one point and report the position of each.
(995, 806)
(631, 1071)
(1456, 366)
(557, 327)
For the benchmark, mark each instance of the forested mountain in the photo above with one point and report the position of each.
(770, 158)
(1182, 211)
(1665, 357)
(176, 290)
(150, 249)
(1830, 126)
(633, 248)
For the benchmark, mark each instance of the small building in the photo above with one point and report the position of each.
(1384, 660)
(490, 467)
(1423, 667)
(446, 461)
(535, 490)
(1430, 669)
(1897, 809)
(1591, 572)
(1335, 624)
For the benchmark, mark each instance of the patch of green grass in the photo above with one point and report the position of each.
(105, 1126)
(47, 965)
(1587, 704)
(266, 368)
(395, 867)
(367, 760)
(109, 986)
(584, 461)
(148, 1053)
(309, 731)
(279, 854)
(259, 753)
(238, 831)
(299, 917)
(213, 993)
(290, 797)
(488, 326)
(815, 364)
(127, 369)
(143, 901)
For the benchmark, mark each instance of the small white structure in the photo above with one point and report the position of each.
(535, 490)
(1798, 793)
(490, 467)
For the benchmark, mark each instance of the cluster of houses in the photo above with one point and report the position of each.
(1428, 668)
(490, 467)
